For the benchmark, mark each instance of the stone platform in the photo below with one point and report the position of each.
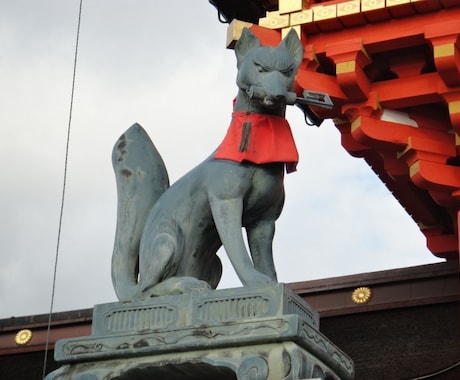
(244, 333)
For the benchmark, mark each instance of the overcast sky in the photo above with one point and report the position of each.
(164, 65)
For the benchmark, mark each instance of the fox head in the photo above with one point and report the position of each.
(266, 74)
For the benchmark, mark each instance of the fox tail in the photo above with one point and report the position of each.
(141, 178)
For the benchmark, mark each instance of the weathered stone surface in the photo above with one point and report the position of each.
(243, 333)
(271, 361)
(210, 307)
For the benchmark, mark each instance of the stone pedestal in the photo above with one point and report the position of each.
(244, 333)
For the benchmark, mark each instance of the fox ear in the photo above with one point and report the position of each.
(245, 44)
(292, 43)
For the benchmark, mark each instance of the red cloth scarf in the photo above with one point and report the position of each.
(259, 138)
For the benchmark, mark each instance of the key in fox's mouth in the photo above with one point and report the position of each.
(270, 101)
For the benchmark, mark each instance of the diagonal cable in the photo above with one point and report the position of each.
(63, 194)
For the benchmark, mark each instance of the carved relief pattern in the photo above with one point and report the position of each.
(293, 307)
(296, 361)
(139, 319)
(327, 347)
(221, 334)
(232, 309)
(253, 368)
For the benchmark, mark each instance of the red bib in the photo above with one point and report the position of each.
(260, 139)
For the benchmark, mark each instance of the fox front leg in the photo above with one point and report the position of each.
(227, 218)
(260, 238)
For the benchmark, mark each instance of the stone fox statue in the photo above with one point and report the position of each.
(167, 237)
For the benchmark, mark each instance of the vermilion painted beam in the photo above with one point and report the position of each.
(444, 38)
(436, 176)
(443, 246)
(379, 134)
(411, 91)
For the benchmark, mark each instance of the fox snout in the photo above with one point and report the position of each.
(272, 88)
(271, 98)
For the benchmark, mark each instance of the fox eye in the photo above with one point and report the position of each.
(287, 72)
(260, 68)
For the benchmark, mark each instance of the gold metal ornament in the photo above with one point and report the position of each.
(361, 295)
(23, 337)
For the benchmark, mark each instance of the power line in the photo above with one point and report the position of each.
(63, 193)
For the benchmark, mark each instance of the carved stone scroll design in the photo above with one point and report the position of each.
(298, 364)
(326, 350)
(253, 368)
(85, 348)
(220, 335)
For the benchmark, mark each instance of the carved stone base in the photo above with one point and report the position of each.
(243, 333)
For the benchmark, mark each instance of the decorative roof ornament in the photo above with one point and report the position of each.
(361, 295)
(23, 337)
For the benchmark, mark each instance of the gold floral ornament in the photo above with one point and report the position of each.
(361, 295)
(23, 337)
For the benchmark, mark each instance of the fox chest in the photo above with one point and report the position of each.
(266, 193)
